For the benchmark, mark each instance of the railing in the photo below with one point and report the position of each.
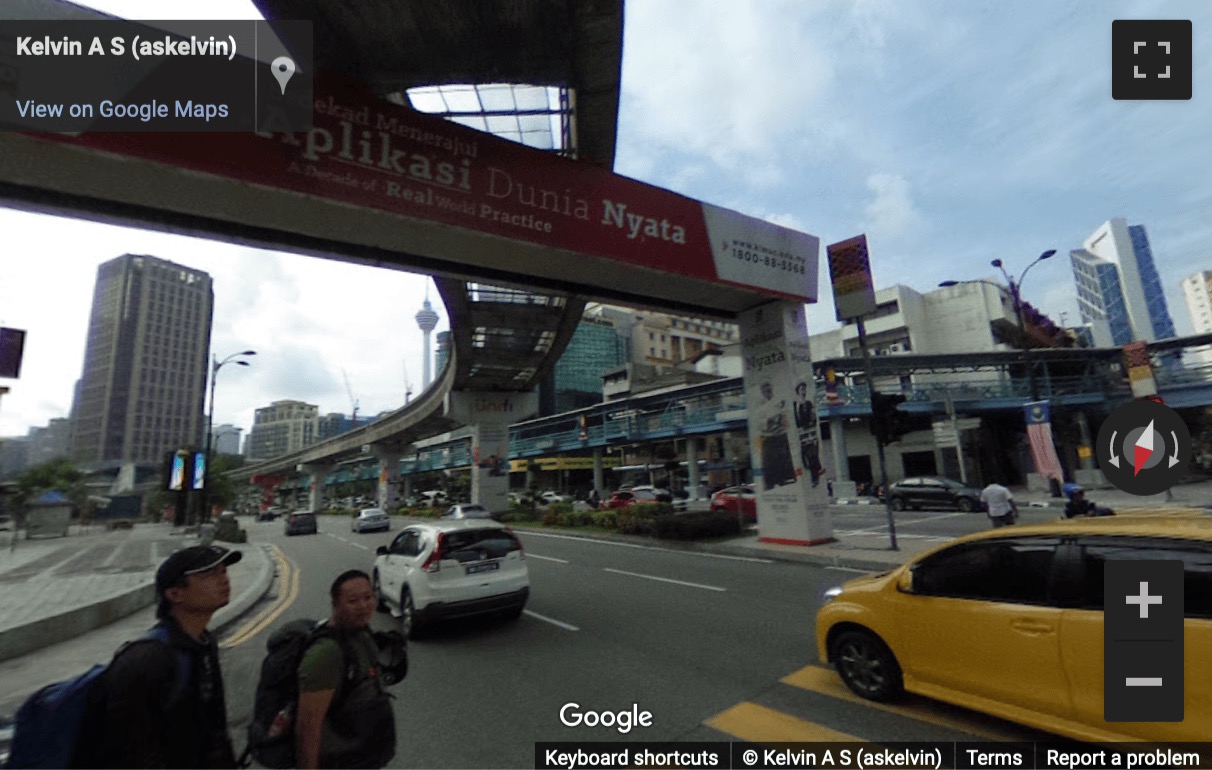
(980, 390)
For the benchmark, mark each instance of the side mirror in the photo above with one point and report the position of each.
(904, 583)
(381, 550)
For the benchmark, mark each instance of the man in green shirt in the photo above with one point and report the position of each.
(345, 717)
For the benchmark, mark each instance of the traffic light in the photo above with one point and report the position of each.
(888, 423)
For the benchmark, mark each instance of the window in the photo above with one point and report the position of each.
(1196, 558)
(1017, 571)
(407, 543)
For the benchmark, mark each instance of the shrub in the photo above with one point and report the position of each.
(693, 526)
(553, 517)
(579, 519)
(606, 519)
(564, 508)
(637, 519)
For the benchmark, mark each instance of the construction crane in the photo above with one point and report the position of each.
(353, 421)
(407, 384)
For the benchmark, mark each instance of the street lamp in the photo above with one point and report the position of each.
(1015, 292)
(215, 366)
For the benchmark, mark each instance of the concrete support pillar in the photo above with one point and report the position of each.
(841, 459)
(599, 475)
(784, 434)
(389, 475)
(318, 472)
(407, 493)
(1085, 452)
(490, 415)
(692, 466)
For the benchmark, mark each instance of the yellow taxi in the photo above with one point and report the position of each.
(1010, 622)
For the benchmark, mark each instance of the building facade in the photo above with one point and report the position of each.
(225, 439)
(1197, 296)
(335, 423)
(141, 393)
(282, 427)
(1117, 282)
(576, 379)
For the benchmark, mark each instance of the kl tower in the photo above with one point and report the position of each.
(427, 319)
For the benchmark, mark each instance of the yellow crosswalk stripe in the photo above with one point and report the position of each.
(825, 681)
(758, 724)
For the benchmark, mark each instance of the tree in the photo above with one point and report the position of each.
(222, 489)
(58, 475)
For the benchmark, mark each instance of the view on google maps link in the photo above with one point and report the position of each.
(590, 384)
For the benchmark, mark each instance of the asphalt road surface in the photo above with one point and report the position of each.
(710, 645)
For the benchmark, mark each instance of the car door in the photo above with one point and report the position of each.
(981, 624)
(398, 562)
(909, 491)
(1082, 632)
(933, 494)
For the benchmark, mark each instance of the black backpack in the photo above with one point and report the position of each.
(271, 735)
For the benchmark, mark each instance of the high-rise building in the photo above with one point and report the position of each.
(664, 339)
(427, 319)
(1117, 282)
(335, 423)
(443, 353)
(1197, 295)
(282, 427)
(576, 379)
(225, 439)
(143, 385)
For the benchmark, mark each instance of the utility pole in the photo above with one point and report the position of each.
(879, 437)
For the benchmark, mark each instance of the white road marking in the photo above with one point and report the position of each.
(852, 569)
(664, 580)
(552, 621)
(647, 547)
(359, 545)
(545, 558)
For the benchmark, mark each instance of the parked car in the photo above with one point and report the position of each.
(933, 492)
(467, 511)
(370, 520)
(520, 498)
(451, 568)
(625, 497)
(740, 499)
(272, 513)
(547, 498)
(1010, 622)
(301, 523)
(662, 495)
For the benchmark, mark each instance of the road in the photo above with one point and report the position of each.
(709, 645)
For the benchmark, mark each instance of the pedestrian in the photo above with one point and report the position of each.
(595, 500)
(358, 729)
(999, 504)
(152, 714)
(1079, 506)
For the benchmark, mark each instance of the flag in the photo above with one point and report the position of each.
(1039, 434)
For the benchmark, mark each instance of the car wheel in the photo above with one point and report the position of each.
(409, 625)
(898, 504)
(378, 589)
(867, 666)
(966, 505)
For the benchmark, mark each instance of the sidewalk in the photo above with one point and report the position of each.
(1196, 495)
(56, 593)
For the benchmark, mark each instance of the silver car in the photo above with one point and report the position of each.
(467, 511)
(371, 520)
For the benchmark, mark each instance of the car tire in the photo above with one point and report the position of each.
(965, 505)
(409, 625)
(867, 666)
(381, 605)
(898, 504)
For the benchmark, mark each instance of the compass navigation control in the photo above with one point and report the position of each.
(1144, 448)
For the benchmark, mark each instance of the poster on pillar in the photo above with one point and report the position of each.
(784, 434)
(490, 414)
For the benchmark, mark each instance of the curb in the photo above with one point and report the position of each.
(75, 622)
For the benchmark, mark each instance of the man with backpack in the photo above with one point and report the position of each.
(345, 718)
(159, 703)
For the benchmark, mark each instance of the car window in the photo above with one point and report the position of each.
(1197, 568)
(1017, 571)
(398, 542)
(932, 483)
(478, 544)
(410, 545)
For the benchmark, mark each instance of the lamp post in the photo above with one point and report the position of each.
(215, 366)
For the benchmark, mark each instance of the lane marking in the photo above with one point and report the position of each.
(825, 681)
(546, 558)
(758, 724)
(529, 533)
(852, 569)
(288, 575)
(552, 621)
(663, 580)
(359, 545)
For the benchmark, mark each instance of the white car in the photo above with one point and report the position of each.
(451, 568)
(467, 511)
(547, 498)
(371, 520)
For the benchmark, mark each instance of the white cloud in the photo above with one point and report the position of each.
(890, 212)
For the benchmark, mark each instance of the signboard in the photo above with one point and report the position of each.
(1140, 369)
(12, 347)
(850, 271)
(372, 154)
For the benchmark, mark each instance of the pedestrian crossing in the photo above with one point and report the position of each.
(812, 704)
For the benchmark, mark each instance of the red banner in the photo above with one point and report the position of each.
(374, 154)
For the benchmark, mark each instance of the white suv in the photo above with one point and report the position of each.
(451, 568)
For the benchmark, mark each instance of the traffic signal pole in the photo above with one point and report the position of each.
(879, 434)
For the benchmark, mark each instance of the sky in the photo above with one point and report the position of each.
(951, 132)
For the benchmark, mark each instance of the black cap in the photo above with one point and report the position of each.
(190, 561)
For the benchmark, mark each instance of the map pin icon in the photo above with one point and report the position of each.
(283, 68)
